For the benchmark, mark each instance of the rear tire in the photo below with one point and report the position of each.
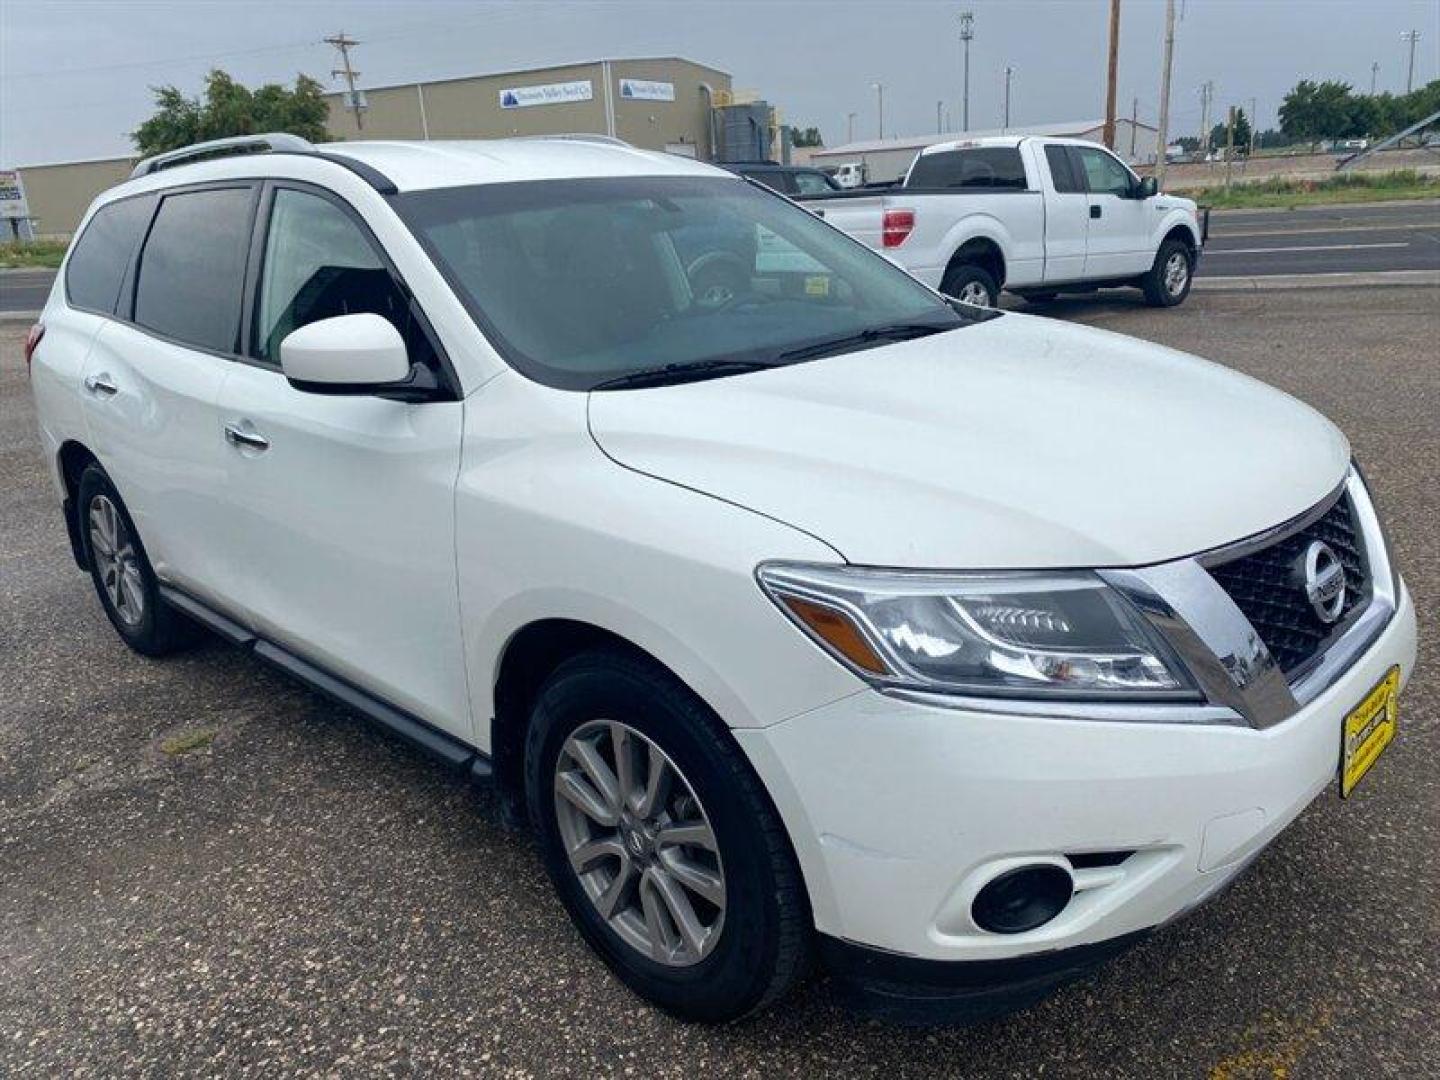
(972, 284)
(749, 920)
(121, 571)
(1168, 282)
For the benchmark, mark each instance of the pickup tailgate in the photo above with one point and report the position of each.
(862, 216)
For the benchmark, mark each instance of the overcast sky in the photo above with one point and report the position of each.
(74, 77)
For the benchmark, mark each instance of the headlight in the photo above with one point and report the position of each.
(1063, 634)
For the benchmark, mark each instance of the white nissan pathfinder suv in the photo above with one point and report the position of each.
(822, 618)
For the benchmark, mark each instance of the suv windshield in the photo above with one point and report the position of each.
(584, 283)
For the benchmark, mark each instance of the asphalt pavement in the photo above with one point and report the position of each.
(1323, 240)
(208, 870)
(24, 290)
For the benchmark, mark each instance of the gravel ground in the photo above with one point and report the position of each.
(205, 869)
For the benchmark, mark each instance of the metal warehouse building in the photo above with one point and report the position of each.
(658, 103)
(888, 159)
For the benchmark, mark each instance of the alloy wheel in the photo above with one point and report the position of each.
(116, 561)
(1177, 273)
(974, 294)
(640, 843)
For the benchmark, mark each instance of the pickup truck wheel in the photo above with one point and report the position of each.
(1168, 282)
(971, 284)
(122, 574)
(660, 841)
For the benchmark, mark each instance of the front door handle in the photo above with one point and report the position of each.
(1094, 211)
(100, 385)
(245, 437)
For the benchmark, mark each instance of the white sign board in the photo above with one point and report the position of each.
(12, 196)
(520, 97)
(647, 90)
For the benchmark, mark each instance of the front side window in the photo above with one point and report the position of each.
(987, 167)
(192, 271)
(319, 264)
(1103, 174)
(580, 283)
(102, 254)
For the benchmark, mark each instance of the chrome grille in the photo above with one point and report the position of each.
(1268, 587)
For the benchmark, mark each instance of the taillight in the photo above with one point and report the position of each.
(32, 339)
(897, 226)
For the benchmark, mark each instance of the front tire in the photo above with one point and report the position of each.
(121, 571)
(971, 284)
(660, 841)
(1168, 282)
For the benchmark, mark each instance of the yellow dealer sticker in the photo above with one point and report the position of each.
(817, 285)
(1369, 729)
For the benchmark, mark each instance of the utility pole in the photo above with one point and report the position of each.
(1134, 123)
(1162, 137)
(345, 44)
(967, 34)
(1412, 36)
(849, 127)
(1254, 124)
(939, 118)
(879, 89)
(1229, 143)
(1207, 92)
(1008, 72)
(1110, 77)
(1374, 71)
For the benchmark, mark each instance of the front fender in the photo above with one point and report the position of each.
(548, 527)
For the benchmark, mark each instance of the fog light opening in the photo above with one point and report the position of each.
(1022, 899)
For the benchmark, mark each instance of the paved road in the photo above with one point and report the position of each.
(1322, 240)
(303, 895)
(24, 290)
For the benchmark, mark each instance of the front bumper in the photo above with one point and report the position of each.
(901, 811)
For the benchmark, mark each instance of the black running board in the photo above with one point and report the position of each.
(458, 755)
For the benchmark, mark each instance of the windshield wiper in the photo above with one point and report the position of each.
(670, 374)
(874, 335)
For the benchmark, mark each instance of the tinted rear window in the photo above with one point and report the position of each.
(982, 167)
(102, 254)
(1060, 170)
(192, 271)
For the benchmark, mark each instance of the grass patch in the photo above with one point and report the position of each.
(1287, 192)
(42, 254)
(188, 741)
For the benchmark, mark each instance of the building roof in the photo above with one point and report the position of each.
(585, 62)
(919, 142)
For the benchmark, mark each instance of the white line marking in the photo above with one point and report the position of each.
(1209, 252)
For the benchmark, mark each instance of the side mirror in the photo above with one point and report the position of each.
(1147, 188)
(347, 354)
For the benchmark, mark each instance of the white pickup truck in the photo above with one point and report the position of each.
(1033, 216)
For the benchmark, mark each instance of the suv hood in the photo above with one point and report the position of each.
(1013, 443)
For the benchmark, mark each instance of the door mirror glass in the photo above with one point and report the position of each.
(1147, 188)
(354, 352)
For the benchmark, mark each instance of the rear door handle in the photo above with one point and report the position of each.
(1094, 211)
(100, 385)
(246, 437)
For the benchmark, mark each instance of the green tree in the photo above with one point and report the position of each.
(806, 137)
(229, 108)
(1314, 111)
(1242, 133)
